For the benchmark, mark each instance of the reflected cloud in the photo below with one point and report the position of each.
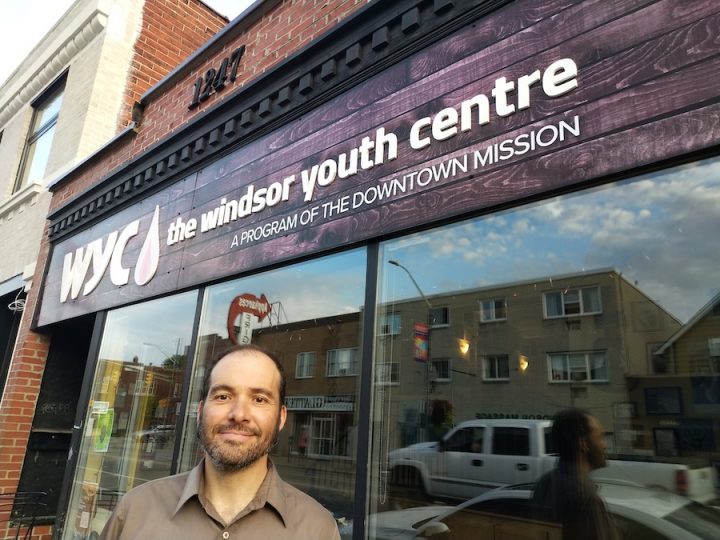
(659, 231)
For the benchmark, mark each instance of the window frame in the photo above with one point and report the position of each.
(494, 317)
(307, 357)
(563, 293)
(442, 380)
(36, 133)
(390, 322)
(495, 357)
(354, 362)
(588, 371)
(445, 310)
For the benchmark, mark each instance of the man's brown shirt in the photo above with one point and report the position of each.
(173, 508)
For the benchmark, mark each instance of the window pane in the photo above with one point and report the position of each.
(47, 111)
(551, 261)
(571, 300)
(591, 300)
(503, 367)
(129, 432)
(38, 153)
(553, 304)
(500, 309)
(315, 320)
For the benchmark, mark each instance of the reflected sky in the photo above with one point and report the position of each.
(660, 231)
(152, 331)
(323, 287)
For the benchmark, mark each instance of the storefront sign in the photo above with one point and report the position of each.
(320, 403)
(108, 251)
(469, 123)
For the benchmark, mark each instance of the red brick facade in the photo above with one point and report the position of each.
(171, 31)
(279, 32)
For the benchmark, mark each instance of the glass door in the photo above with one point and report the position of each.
(129, 428)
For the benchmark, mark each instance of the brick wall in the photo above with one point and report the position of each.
(281, 31)
(276, 35)
(171, 31)
(163, 21)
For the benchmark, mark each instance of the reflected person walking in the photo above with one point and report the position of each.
(567, 495)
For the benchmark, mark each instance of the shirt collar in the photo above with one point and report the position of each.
(272, 490)
(276, 493)
(192, 486)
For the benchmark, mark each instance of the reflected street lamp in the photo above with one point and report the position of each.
(429, 357)
(429, 305)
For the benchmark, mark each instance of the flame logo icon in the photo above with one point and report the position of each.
(149, 257)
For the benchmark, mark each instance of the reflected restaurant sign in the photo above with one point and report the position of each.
(245, 307)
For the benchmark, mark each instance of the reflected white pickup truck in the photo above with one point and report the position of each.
(478, 455)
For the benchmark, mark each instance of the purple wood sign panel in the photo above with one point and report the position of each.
(539, 96)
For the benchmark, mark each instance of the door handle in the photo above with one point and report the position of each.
(477, 462)
(521, 467)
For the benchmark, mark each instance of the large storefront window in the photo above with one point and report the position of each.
(605, 300)
(310, 315)
(129, 429)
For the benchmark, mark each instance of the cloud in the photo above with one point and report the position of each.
(660, 230)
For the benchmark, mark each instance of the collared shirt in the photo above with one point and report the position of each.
(173, 508)
(569, 498)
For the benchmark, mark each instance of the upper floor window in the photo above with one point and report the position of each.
(493, 310)
(569, 302)
(389, 324)
(387, 366)
(496, 367)
(342, 362)
(441, 370)
(34, 161)
(305, 365)
(714, 346)
(439, 316)
(578, 366)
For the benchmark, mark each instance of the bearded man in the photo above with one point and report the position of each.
(235, 490)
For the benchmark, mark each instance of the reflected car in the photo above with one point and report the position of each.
(640, 513)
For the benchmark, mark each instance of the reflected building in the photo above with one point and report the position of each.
(679, 398)
(548, 343)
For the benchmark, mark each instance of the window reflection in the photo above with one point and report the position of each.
(129, 430)
(313, 324)
(42, 132)
(606, 300)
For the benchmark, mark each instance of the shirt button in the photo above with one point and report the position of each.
(226, 535)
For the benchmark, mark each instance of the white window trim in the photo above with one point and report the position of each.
(587, 367)
(297, 365)
(379, 382)
(390, 327)
(443, 380)
(582, 313)
(494, 318)
(440, 325)
(484, 366)
(327, 362)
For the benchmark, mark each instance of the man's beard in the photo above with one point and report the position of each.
(231, 456)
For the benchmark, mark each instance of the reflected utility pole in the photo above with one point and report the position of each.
(429, 358)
